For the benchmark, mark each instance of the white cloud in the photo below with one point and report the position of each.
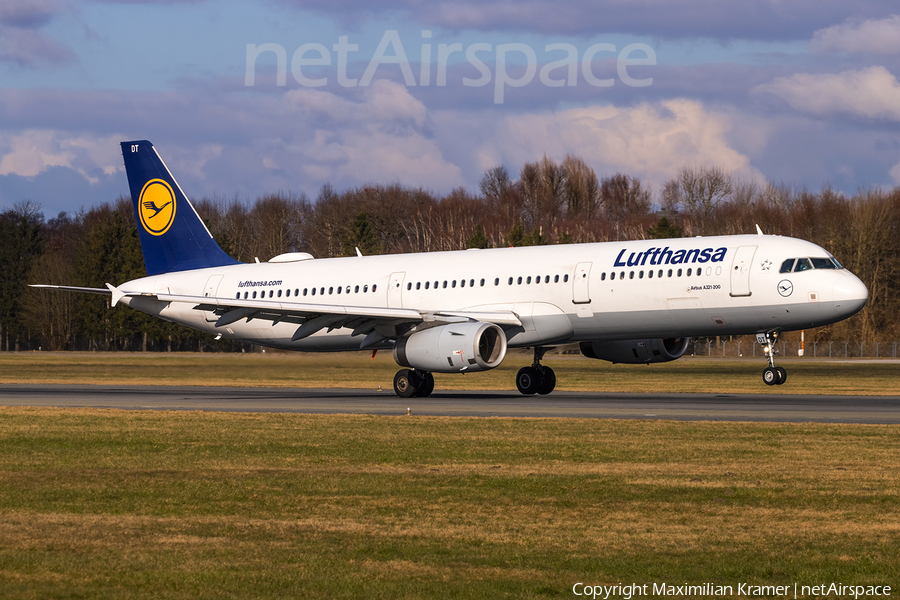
(651, 141)
(31, 152)
(879, 36)
(380, 138)
(895, 173)
(872, 93)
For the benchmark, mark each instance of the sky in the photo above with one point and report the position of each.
(246, 98)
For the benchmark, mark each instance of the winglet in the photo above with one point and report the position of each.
(758, 230)
(117, 294)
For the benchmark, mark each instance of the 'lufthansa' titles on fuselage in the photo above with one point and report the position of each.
(665, 256)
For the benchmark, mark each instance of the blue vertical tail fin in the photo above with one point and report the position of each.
(173, 237)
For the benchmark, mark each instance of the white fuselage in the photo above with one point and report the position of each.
(726, 285)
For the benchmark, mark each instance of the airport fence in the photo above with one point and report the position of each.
(749, 348)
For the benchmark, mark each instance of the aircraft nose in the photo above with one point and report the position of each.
(850, 294)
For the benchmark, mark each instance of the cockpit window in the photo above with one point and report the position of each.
(803, 264)
(806, 264)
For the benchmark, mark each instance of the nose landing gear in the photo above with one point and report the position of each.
(772, 375)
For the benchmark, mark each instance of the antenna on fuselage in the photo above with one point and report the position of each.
(758, 230)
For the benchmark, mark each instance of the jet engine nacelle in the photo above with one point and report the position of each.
(453, 348)
(636, 352)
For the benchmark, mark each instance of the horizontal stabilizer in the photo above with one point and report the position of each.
(71, 288)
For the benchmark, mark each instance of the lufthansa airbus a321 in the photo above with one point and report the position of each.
(459, 312)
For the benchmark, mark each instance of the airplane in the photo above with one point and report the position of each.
(630, 302)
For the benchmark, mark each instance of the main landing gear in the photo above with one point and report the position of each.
(536, 379)
(772, 375)
(410, 383)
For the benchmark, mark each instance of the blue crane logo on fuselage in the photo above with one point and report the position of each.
(156, 207)
(785, 288)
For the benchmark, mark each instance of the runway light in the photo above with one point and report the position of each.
(407, 412)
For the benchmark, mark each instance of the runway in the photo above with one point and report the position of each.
(686, 407)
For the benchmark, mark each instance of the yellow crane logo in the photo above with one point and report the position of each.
(156, 207)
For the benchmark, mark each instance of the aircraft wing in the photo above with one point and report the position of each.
(377, 324)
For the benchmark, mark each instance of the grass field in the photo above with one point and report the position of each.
(133, 504)
(130, 504)
(358, 370)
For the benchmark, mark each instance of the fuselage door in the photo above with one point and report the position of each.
(740, 271)
(580, 291)
(395, 290)
(210, 291)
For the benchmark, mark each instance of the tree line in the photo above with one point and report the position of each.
(546, 202)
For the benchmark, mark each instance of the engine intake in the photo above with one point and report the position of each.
(453, 348)
(636, 352)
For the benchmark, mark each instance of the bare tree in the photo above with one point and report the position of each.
(624, 199)
(696, 192)
(582, 189)
(495, 184)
